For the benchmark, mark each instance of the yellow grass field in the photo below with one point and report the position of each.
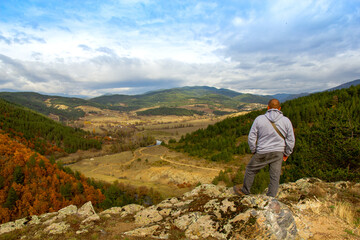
(157, 167)
(161, 127)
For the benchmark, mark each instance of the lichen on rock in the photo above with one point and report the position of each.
(213, 212)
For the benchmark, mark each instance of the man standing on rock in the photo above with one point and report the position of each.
(271, 140)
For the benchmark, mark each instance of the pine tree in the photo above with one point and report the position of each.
(11, 199)
(18, 175)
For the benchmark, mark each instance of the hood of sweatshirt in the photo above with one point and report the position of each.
(273, 114)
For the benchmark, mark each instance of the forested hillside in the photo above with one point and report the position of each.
(41, 133)
(48, 104)
(327, 129)
(30, 184)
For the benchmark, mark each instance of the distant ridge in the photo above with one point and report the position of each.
(346, 85)
(282, 97)
(285, 96)
(66, 108)
(177, 97)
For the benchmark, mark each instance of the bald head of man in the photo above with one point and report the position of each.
(274, 103)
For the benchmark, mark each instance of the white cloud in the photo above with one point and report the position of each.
(136, 46)
(238, 21)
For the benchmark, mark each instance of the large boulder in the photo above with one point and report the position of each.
(210, 211)
(124, 211)
(86, 210)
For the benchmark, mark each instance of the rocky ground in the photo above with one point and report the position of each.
(306, 209)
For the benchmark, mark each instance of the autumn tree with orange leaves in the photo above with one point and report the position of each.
(31, 185)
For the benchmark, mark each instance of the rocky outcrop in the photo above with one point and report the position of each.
(213, 211)
(54, 223)
(207, 212)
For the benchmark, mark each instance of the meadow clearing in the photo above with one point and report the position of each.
(169, 172)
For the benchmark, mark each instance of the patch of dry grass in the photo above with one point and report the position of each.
(317, 191)
(345, 211)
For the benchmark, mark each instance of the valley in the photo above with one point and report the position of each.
(115, 157)
(164, 128)
(127, 125)
(169, 172)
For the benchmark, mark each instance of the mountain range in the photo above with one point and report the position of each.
(67, 108)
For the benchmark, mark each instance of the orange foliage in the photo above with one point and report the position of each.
(40, 191)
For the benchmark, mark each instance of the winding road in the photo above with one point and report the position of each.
(138, 153)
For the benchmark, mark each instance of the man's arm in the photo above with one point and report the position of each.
(289, 140)
(252, 137)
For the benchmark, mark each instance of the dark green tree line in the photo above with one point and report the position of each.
(327, 130)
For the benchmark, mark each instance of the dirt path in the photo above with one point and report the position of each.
(162, 157)
(190, 165)
(137, 154)
(154, 167)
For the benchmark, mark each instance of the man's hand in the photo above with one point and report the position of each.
(285, 158)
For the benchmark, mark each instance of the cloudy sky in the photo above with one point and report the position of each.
(93, 47)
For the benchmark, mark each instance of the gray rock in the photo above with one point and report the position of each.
(86, 210)
(186, 220)
(123, 211)
(34, 220)
(113, 210)
(131, 209)
(8, 227)
(305, 183)
(148, 215)
(210, 214)
(48, 215)
(91, 218)
(18, 224)
(204, 227)
(69, 210)
(82, 231)
(342, 184)
(206, 189)
(143, 231)
(57, 228)
(165, 212)
(279, 220)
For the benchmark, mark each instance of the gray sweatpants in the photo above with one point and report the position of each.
(259, 161)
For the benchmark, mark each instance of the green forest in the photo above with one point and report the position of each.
(327, 130)
(37, 103)
(41, 133)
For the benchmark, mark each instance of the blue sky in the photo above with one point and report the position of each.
(93, 47)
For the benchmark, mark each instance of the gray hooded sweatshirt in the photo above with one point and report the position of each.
(263, 138)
